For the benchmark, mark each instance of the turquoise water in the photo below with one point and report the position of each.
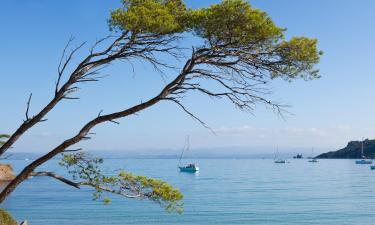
(226, 191)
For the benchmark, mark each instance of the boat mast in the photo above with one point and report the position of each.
(186, 146)
(276, 153)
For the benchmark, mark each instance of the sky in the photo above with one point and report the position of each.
(326, 113)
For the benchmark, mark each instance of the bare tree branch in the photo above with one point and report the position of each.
(111, 190)
(84, 183)
(191, 114)
(60, 178)
(28, 108)
(62, 65)
(128, 45)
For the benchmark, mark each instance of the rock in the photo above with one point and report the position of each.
(6, 172)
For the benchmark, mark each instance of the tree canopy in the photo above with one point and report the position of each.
(232, 25)
(6, 218)
(150, 16)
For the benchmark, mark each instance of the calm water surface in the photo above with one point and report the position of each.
(226, 191)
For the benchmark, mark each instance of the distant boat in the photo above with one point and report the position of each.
(280, 161)
(363, 160)
(312, 159)
(277, 159)
(372, 167)
(191, 167)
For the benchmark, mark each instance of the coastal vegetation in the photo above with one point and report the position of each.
(352, 151)
(237, 52)
(6, 218)
(6, 170)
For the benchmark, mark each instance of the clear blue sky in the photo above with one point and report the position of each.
(327, 113)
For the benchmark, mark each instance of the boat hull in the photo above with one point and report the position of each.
(189, 169)
(363, 162)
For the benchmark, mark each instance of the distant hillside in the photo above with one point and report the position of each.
(352, 151)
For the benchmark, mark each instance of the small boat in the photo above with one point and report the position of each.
(191, 167)
(363, 160)
(372, 167)
(312, 159)
(280, 161)
(277, 159)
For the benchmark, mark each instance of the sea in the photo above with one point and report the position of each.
(225, 191)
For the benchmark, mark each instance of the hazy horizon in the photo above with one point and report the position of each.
(203, 152)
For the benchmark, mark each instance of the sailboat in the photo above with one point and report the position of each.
(276, 159)
(191, 167)
(312, 159)
(363, 160)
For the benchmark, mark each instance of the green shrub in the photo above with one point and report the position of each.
(6, 218)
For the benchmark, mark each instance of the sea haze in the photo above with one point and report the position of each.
(223, 152)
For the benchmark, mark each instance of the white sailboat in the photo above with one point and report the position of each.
(312, 159)
(191, 167)
(363, 160)
(277, 159)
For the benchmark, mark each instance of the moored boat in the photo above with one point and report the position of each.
(191, 167)
(363, 160)
(277, 159)
(313, 160)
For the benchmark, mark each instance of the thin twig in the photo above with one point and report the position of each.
(28, 107)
